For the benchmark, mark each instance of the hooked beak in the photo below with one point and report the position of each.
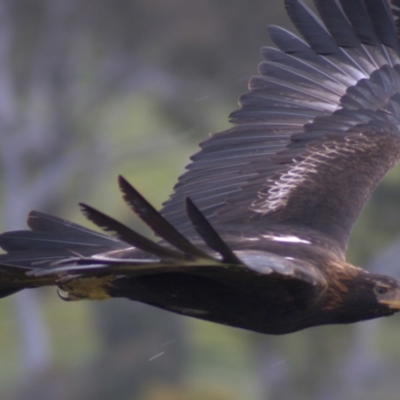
(394, 302)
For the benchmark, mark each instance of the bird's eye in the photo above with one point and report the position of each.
(380, 290)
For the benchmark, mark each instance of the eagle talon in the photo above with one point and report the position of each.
(63, 295)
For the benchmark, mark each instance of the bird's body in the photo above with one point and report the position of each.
(278, 193)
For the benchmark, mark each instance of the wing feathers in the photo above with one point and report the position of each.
(289, 43)
(311, 28)
(51, 239)
(383, 22)
(337, 24)
(155, 221)
(313, 98)
(323, 111)
(126, 234)
(209, 235)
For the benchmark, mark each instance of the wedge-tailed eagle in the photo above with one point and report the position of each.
(255, 233)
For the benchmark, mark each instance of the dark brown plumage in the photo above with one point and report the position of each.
(269, 203)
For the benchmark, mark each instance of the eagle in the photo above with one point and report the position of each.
(255, 233)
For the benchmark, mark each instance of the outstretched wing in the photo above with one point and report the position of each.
(315, 134)
(69, 255)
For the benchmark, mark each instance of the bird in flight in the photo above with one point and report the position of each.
(255, 233)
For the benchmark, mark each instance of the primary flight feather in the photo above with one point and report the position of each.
(255, 233)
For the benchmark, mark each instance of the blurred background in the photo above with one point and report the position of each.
(90, 89)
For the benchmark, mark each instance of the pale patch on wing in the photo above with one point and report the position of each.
(279, 188)
(287, 239)
(265, 263)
